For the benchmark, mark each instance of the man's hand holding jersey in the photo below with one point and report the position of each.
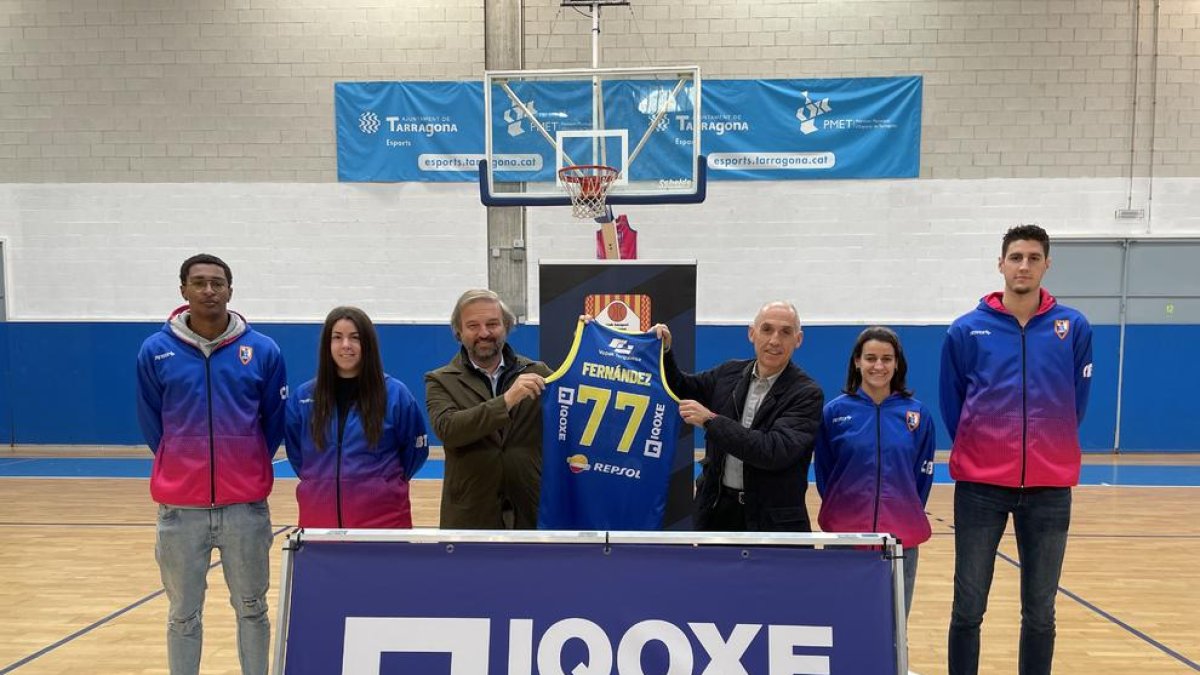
(529, 385)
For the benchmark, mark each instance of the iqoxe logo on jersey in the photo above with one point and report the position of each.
(579, 646)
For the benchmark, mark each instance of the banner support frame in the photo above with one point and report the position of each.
(285, 602)
(892, 547)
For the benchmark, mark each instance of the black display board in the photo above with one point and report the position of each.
(671, 288)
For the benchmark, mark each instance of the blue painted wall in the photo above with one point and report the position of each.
(74, 382)
(6, 427)
(1158, 404)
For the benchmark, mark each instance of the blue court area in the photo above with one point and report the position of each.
(1140, 475)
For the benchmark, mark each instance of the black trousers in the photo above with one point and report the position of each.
(729, 513)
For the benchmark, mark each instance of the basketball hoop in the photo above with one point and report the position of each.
(587, 185)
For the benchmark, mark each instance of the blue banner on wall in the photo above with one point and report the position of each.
(408, 131)
(752, 129)
(804, 129)
(518, 609)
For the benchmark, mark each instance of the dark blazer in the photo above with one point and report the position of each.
(776, 449)
(493, 455)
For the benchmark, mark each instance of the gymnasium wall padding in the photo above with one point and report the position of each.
(73, 383)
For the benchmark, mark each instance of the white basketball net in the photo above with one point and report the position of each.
(588, 186)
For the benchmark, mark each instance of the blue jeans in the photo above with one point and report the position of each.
(185, 540)
(1041, 517)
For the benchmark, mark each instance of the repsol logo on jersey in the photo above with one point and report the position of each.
(623, 471)
(583, 647)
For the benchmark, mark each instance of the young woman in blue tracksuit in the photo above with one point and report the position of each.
(874, 453)
(355, 435)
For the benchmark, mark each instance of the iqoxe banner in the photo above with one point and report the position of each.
(750, 129)
(587, 609)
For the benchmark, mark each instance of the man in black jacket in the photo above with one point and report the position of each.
(760, 418)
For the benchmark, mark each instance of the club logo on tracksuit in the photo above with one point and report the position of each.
(1062, 327)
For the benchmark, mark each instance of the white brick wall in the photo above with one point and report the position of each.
(1004, 79)
(133, 135)
(115, 91)
(910, 251)
(112, 251)
(132, 91)
(918, 251)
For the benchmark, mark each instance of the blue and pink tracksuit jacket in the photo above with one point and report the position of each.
(874, 466)
(1012, 398)
(351, 484)
(213, 423)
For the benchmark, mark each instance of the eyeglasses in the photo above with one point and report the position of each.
(201, 284)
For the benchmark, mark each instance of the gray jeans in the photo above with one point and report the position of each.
(910, 577)
(185, 540)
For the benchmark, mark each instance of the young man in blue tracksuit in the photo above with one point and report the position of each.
(211, 394)
(1014, 386)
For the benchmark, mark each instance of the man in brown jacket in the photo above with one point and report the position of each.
(485, 406)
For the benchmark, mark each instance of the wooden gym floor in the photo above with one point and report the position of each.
(80, 591)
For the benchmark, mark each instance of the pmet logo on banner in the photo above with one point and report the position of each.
(585, 647)
(830, 128)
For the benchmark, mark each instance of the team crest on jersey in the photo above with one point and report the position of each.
(913, 419)
(245, 353)
(1062, 327)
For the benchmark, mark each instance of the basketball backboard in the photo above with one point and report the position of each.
(643, 122)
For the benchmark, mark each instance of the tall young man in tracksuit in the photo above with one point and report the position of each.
(211, 394)
(1014, 386)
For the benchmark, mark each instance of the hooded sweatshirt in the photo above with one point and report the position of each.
(212, 412)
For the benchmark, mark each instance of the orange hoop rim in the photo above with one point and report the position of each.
(575, 172)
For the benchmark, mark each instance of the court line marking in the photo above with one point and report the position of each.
(74, 478)
(9, 461)
(87, 629)
(1094, 608)
(1146, 638)
(1003, 556)
(8, 524)
(1102, 481)
(1174, 537)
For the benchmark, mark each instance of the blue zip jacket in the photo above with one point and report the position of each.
(1012, 398)
(213, 423)
(874, 466)
(354, 484)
